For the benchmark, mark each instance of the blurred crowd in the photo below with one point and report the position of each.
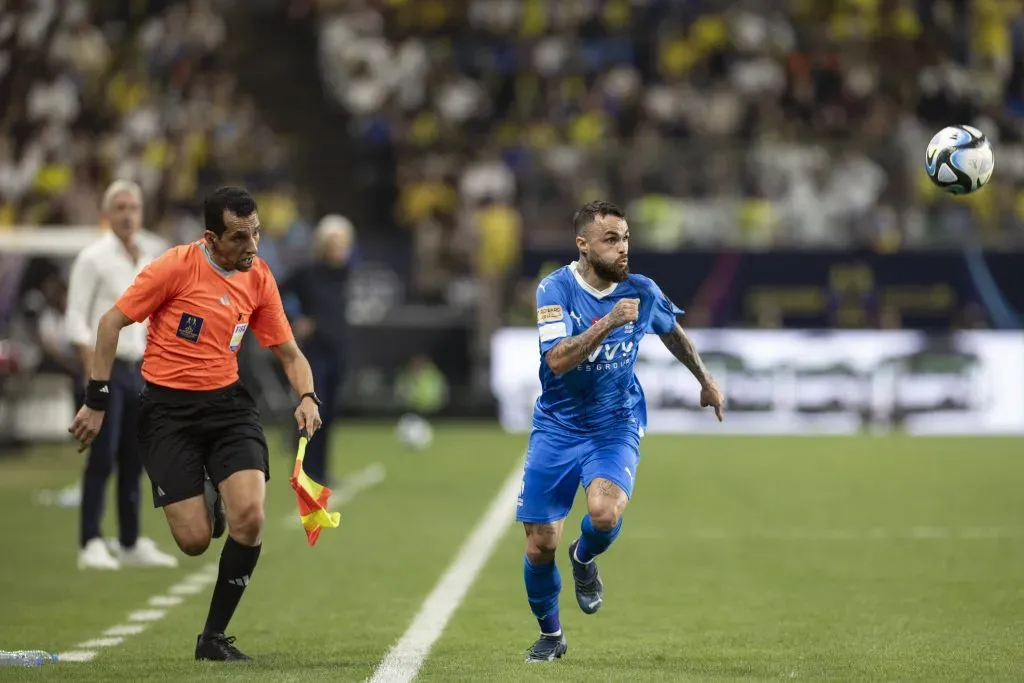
(747, 122)
(752, 123)
(103, 89)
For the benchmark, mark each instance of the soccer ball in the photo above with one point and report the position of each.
(959, 159)
(414, 432)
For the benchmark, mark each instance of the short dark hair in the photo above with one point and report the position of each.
(237, 200)
(585, 215)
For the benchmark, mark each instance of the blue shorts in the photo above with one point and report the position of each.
(557, 463)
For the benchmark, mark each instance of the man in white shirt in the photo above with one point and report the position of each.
(99, 275)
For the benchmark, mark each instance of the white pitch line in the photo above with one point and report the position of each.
(165, 600)
(147, 615)
(76, 656)
(102, 642)
(200, 578)
(186, 588)
(361, 480)
(403, 661)
(125, 630)
(115, 635)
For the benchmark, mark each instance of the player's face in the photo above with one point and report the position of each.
(605, 245)
(124, 216)
(236, 248)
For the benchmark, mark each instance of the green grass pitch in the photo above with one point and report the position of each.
(865, 558)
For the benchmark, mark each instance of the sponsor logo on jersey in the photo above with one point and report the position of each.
(610, 356)
(547, 314)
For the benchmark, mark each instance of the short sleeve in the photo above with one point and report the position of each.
(151, 288)
(552, 314)
(663, 315)
(269, 322)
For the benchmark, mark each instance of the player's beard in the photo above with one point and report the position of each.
(610, 272)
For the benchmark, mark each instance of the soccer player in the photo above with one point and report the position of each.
(195, 417)
(99, 275)
(591, 414)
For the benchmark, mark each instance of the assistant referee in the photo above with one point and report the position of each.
(195, 417)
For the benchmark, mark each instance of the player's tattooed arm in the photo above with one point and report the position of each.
(570, 352)
(683, 349)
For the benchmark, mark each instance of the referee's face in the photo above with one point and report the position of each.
(236, 248)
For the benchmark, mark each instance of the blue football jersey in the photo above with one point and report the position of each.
(602, 392)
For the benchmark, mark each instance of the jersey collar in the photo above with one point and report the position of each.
(593, 291)
(209, 259)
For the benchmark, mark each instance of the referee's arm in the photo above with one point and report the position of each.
(270, 325)
(107, 333)
(296, 367)
(300, 376)
(87, 423)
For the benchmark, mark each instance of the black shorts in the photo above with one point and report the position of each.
(184, 435)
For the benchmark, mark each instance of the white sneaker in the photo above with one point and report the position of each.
(95, 555)
(146, 554)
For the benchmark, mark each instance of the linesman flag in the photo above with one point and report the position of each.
(312, 497)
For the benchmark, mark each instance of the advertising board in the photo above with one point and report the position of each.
(807, 382)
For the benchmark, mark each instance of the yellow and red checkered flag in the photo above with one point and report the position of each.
(312, 497)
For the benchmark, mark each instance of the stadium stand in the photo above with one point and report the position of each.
(458, 133)
(758, 123)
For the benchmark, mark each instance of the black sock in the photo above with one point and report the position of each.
(237, 563)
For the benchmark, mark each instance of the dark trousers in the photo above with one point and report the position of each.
(116, 444)
(328, 377)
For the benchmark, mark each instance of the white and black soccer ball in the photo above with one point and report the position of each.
(959, 159)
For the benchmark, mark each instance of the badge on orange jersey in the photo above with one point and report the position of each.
(189, 327)
(236, 337)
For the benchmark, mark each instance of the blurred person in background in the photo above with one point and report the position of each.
(316, 298)
(59, 356)
(495, 229)
(99, 275)
(421, 386)
(58, 353)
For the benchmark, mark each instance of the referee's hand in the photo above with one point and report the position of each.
(307, 415)
(86, 426)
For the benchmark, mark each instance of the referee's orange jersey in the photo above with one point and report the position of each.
(198, 314)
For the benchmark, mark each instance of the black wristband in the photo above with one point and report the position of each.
(312, 395)
(97, 394)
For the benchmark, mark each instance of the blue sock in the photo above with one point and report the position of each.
(543, 584)
(593, 541)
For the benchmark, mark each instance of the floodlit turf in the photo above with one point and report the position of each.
(740, 559)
